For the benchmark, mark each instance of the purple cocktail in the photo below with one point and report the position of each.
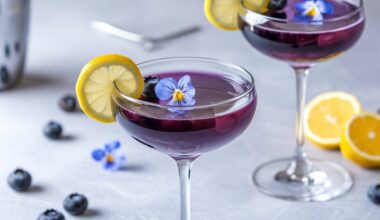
(221, 102)
(301, 42)
(302, 33)
(191, 133)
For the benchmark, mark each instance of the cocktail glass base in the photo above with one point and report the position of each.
(328, 181)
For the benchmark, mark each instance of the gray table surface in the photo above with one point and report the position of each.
(61, 41)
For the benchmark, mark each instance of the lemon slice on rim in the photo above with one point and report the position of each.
(224, 13)
(361, 140)
(95, 85)
(326, 115)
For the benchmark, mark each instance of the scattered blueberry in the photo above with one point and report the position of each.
(19, 180)
(68, 103)
(374, 194)
(53, 130)
(75, 204)
(277, 5)
(51, 214)
(150, 83)
(4, 75)
(17, 47)
(7, 51)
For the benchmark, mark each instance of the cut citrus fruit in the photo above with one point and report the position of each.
(95, 85)
(224, 13)
(259, 6)
(326, 115)
(361, 140)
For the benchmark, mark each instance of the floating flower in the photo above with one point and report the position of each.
(313, 9)
(109, 156)
(180, 94)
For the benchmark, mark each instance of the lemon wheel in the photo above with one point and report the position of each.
(95, 85)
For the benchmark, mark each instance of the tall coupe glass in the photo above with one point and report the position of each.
(303, 43)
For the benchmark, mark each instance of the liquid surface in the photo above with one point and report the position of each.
(303, 42)
(191, 133)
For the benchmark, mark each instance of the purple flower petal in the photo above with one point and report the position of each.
(303, 6)
(98, 154)
(184, 84)
(165, 88)
(325, 7)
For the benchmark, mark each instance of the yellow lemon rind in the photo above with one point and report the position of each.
(208, 6)
(95, 64)
(330, 143)
(352, 153)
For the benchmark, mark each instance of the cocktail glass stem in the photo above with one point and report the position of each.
(184, 168)
(301, 169)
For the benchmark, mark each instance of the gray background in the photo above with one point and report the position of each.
(61, 41)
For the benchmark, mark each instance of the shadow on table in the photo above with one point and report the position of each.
(35, 80)
(89, 213)
(133, 168)
(35, 189)
(68, 137)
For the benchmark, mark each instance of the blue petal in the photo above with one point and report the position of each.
(108, 148)
(113, 166)
(184, 84)
(188, 100)
(325, 7)
(303, 6)
(318, 17)
(115, 145)
(98, 154)
(165, 88)
(108, 165)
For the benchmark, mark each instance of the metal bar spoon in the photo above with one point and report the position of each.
(147, 43)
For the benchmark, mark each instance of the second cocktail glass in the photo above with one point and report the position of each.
(304, 33)
(218, 101)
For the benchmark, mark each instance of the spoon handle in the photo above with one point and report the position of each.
(118, 32)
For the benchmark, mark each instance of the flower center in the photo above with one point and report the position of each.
(312, 12)
(178, 95)
(109, 158)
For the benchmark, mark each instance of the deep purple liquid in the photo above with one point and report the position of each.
(195, 132)
(300, 43)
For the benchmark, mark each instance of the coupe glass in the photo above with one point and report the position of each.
(225, 105)
(303, 44)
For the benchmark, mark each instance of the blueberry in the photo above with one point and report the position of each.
(53, 130)
(7, 51)
(4, 75)
(150, 83)
(51, 214)
(280, 15)
(19, 180)
(378, 111)
(68, 103)
(75, 204)
(277, 5)
(374, 194)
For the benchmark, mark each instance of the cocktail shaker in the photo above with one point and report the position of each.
(14, 25)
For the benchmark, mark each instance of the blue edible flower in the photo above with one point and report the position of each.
(181, 93)
(313, 10)
(110, 157)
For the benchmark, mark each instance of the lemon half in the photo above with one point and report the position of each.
(361, 140)
(326, 115)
